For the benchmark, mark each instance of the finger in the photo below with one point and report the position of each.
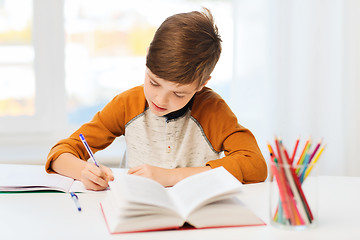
(95, 179)
(140, 172)
(94, 169)
(134, 170)
(102, 172)
(109, 176)
(89, 185)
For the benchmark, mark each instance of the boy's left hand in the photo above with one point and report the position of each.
(164, 176)
(161, 175)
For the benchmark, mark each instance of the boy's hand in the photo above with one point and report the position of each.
(96, 178)
(166, 177)
(161, 175)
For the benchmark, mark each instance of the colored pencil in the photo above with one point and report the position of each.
(315, 150)
(308, 142)
(314, 161)
(295, 149)
(303, 155)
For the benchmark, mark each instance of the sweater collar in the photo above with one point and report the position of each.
(179, 113)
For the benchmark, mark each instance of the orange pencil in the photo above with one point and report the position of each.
(270, 148)
(304, 151)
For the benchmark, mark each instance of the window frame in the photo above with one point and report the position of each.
(48, 43)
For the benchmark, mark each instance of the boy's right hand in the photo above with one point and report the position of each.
(96, 178)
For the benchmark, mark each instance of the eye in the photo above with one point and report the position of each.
(179, 95)
(153, 83)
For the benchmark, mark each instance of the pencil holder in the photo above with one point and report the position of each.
(293, 195)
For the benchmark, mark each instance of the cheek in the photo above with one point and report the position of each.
(147, 91)
(179, 103)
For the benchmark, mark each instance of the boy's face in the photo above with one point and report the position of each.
(165, 97)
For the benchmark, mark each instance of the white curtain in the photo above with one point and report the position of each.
(297, 73)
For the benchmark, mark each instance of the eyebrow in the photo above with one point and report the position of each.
(181, 92)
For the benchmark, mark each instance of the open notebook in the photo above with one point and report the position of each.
(25, 178)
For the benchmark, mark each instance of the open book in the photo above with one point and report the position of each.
(205, 200)
(26, 178)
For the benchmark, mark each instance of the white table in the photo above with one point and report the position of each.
(54, 216)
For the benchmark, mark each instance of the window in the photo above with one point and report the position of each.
(16, 60)
(62, 61)
(31, 69)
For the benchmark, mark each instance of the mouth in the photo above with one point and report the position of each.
(157, 108)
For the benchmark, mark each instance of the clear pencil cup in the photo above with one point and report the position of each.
(293, 195)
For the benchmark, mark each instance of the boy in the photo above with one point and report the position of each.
(174, 126)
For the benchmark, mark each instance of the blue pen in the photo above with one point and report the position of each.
(76, 200)
(88, 149)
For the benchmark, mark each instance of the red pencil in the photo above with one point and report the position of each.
(295, 149)
(286, 181)
(282, 189)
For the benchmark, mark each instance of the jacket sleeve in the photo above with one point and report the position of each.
(243, 158)
(102, 130)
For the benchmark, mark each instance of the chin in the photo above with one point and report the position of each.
(159, 114)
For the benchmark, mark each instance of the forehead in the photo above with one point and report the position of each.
(170, 85)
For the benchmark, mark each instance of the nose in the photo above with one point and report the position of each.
(162, 99)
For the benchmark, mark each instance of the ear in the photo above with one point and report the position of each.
(203, 85)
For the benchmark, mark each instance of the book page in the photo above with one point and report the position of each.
(202, 188)
(15, 177)
(79, 187)
(131, 189)
(228, 212)
(136, 220)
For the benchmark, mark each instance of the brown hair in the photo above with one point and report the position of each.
(185, 48)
